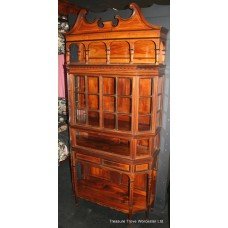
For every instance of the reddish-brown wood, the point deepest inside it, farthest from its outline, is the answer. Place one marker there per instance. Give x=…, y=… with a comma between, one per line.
x=141, y=167
x=112, y=195
x=115, y=99
x=88, y=158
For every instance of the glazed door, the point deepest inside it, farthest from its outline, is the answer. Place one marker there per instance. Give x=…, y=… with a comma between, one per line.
x=104, y=102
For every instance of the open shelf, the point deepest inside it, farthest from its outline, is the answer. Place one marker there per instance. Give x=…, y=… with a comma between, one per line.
x=111, y=145
x=111, y=195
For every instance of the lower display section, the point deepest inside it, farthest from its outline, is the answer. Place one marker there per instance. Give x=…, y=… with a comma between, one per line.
x=111, y=195
x=119, y=185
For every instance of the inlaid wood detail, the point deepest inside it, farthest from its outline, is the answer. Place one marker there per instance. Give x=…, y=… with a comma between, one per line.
x=89, y=158
x=141, y=167
x=116, y=165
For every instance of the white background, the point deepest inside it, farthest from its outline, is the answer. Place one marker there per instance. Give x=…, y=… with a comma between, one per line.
x=28, y=90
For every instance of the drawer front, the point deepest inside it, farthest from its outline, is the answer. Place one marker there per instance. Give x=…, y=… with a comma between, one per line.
x=89, y=158
x=141, y=167
x=116, y=165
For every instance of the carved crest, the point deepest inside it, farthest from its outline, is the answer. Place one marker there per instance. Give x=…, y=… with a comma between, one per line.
x=136, y=22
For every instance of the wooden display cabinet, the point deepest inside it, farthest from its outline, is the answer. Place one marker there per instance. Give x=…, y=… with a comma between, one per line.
x=115, y=86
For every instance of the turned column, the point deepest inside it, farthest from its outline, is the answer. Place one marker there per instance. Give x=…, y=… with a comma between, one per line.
x=108, y=53
x=132, y=51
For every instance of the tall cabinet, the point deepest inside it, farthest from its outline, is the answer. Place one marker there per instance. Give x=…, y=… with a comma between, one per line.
x=115, y=86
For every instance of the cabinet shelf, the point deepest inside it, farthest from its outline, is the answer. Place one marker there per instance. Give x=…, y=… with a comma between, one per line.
x=111, y=145
x=111, y=195
x=110, y=123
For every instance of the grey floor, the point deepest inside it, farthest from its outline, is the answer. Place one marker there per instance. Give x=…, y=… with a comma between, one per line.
x=88, y=214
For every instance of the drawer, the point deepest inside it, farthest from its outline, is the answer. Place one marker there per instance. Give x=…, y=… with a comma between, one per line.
x=88, y=158
x=116, y=165
x=141, y=167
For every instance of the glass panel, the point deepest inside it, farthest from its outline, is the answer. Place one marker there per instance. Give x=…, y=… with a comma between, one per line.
x=93, y=118
x=109, y=103
x=145, y=106
x=144, y=123
x=112, y=145
x=80, y=84
x=108, y=85
x=109, y=120
x=93, y=101
x=124, y=104
x=124, y=122
x=142, y=147
x=93, y=85
x=81, y=116
x=124, y=86
x=80, y=101
x=145, y=87
x=73, y=52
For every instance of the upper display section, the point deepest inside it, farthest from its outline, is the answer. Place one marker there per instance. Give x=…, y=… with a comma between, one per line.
x=130, y=41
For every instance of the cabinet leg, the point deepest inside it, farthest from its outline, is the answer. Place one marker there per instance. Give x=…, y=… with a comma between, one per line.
x=74, y=176
x=129, y=216
x=147, y=213
x=72, y=171
x=76, y=202
x=76, y=183
x=131, y=194
x=149, y=187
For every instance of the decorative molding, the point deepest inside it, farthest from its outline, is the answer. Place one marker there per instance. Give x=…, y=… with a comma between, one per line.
x=123, y=70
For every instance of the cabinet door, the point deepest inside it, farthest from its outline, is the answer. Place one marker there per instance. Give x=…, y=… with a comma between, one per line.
x=87, y=99
x=145, y=104
x=114, y=100
x=117, y=103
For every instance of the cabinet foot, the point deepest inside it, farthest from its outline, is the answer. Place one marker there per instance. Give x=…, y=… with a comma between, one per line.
x=129, y=216
x=76, y=202
x=147, y=212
